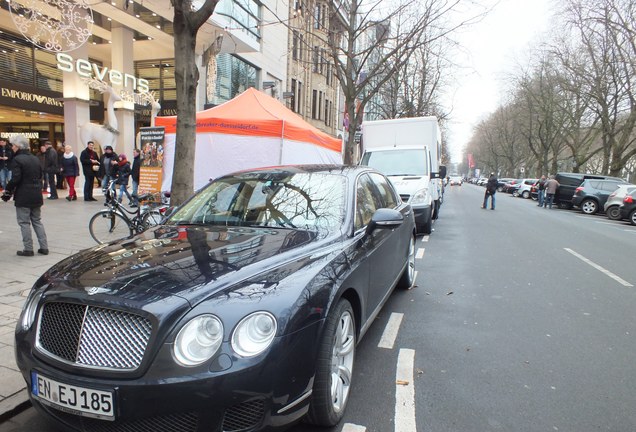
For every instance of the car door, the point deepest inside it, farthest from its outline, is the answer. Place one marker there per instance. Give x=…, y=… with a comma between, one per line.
x=378, y=246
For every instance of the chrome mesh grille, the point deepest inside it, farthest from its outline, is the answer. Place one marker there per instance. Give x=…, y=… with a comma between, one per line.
x=93, y=336
x=244, y=416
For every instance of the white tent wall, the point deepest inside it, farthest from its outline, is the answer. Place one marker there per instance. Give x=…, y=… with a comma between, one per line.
x=220, y=154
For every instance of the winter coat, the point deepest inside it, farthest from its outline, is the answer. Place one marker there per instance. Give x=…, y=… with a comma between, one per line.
x=50, y=161
x=70, y=167
x=551, y=186
x=491, y=186
x=6, y=151
x=85, y=158
x=102, y=164
x=135, y=169
x=26, y=180
x=122, y=173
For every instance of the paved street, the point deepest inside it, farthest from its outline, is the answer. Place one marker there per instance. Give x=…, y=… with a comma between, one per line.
x=66, y=225
x=522, y=320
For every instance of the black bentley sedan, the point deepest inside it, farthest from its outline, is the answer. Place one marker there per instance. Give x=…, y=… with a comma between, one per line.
x=240, y=313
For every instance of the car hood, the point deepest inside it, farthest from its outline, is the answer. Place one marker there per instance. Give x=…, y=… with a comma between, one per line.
x=190, y=262
x=409, y=184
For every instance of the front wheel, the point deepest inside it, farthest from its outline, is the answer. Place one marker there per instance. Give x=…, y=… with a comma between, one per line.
x=152, y=218
x=613, y=212
x=106, y=226
x=525, y=194
x=334, y=367
x=632, y=217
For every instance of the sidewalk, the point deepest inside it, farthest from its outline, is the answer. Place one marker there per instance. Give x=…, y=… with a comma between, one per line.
x=66, y=225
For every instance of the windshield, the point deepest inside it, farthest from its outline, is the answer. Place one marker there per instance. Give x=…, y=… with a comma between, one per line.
x=307, y=201
x=398, y=162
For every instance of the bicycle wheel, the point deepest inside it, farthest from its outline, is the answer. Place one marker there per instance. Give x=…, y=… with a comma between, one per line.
x=152, y=218
x=106, y=226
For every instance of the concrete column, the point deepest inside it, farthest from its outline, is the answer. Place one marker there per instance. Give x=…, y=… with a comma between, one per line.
x=76, y=103
x=122, y=60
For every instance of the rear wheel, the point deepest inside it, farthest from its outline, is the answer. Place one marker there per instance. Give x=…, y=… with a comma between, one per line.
x=632, y=217
x=106, y=226
x=613, y=212
x=152, y=218
x=334, y=367
x=525, y=194
x=408, y=276
x=589, y=206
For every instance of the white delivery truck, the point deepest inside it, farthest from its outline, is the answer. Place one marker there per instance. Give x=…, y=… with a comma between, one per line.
x=408, y=151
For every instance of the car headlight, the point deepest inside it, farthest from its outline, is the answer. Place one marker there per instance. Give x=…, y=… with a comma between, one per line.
x=254, y=334
x=419, y=197
x=30, y=308
x=198, y=340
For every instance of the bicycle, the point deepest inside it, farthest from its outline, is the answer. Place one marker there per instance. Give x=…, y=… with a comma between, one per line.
x=117, y=221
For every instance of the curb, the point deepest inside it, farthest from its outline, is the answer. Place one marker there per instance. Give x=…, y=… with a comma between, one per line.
x=14, y=405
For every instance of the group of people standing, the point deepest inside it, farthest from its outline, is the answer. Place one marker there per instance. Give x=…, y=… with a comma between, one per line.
x=546, y=189
x=22, y=176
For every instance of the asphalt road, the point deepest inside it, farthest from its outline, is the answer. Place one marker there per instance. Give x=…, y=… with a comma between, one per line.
x=522, y=320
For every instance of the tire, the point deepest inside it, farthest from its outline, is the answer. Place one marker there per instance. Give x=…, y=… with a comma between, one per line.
x=632, y=217
x=589, y=206
x=564, y=205
x=408, y=276
x=152, y=218
x=427, y=228
x=525, y=194
x=106, y=226
x=613, y=213
x=334, y=367
x=515, y=194
x=500, y=189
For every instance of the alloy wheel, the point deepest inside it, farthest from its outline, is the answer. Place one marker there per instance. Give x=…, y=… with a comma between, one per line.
x=342, y=361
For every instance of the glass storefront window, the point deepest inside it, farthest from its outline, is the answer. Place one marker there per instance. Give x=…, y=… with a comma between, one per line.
x=243, y=14
x=233, y=77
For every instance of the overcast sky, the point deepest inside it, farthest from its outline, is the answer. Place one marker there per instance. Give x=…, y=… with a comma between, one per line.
x=492, y=48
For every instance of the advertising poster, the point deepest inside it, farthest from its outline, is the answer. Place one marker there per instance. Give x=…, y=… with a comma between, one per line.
x=151, y=141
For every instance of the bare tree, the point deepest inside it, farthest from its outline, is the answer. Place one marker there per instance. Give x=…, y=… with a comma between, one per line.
x=364, y=66
x=187, y=22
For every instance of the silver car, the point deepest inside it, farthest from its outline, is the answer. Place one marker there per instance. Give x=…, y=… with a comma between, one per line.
x=616, y=199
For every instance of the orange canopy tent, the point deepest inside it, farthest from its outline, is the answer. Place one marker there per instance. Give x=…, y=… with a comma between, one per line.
x=252, y=130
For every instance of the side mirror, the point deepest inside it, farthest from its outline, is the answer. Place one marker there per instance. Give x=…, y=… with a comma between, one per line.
x=442, y=171
x=385, y=218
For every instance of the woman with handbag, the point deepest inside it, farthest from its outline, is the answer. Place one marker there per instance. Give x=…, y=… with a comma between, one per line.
x=90, y=166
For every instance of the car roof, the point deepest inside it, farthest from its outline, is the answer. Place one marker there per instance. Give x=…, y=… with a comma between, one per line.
x=347, y=170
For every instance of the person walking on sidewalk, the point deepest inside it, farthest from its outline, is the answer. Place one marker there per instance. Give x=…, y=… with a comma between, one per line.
x=70, y=170
x=541, y=191
x=491, y=190
x=551, y=187
x=121, y=172
x=24, y=186
x=45, y=179
x=134, y=175
x=6, y=156
x=51, y=168
x=90, y=166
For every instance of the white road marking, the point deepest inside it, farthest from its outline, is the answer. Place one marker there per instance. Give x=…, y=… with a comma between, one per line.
x=391, y=331
x=599, y=268
x=425, y=239
x=350, y=427
x=420, y=253
x=405, y=392
x=414, y=278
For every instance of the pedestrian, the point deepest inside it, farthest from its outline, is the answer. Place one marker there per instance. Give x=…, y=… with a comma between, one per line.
x=70, y=170
x=6, y=156
x=45, y=178
x=60, y=177
x=24, y=186
x=134, y=175
x=541, y=191
x=122, y=173
x=90, y=167
x=106, y=164
x=491, y=190
x=51, y=168
x=551, y=187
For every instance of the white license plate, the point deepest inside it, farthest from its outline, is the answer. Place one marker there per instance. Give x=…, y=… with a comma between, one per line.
x=73, y=399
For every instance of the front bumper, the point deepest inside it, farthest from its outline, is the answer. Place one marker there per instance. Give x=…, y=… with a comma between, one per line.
x=258, y=394
x=422, y=214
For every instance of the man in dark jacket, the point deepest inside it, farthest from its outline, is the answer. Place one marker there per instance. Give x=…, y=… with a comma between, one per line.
x=51, y=169
x=106, y=164
x=90, y=166
x=491, y=190
x=6, y=155
x=25, y=186
x=134, y=174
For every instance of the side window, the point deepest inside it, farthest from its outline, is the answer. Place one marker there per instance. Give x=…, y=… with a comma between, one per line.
x=366, y=203
x=386, y=191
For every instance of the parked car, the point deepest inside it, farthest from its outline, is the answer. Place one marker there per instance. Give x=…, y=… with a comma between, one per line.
x=241, y=312
x=568, y=182
x=628, y=208
x=524, y=188
x=501, y=182
x=613, y=203
x=511, y=186
x=456, y=180
x=592, y=194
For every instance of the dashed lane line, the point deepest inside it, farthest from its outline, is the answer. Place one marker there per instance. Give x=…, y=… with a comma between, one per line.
x=420, y=253
x=391, y=331
x=425, y=239
x=405, y=392
x=599, y=268
x=350, y=427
